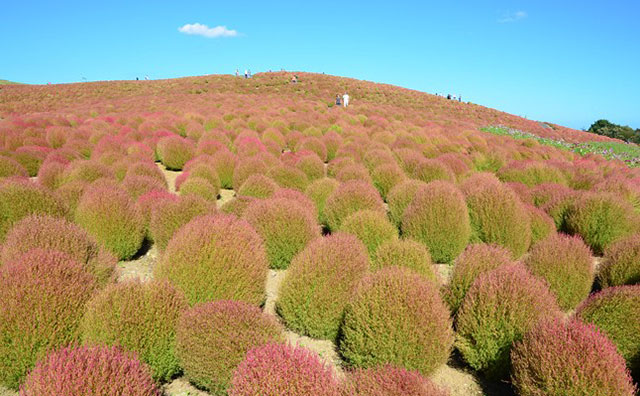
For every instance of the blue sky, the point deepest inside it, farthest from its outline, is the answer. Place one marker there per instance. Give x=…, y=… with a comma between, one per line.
x=558, y=61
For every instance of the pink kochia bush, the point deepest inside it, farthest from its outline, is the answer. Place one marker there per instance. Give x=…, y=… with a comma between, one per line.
x=396, y=316
x=285, y=226
x=283, y=370
x=499, y=308
x=348, y=198
x=319, y=282
x=174, y=151
x=556, y=358
x=621, y=263
x=565, y=263
x=216, y=257
x=140, y=317
x=213, y=338
x=113, y=219
x=51, y=233
x=90, y=371
x=438, y=218
x=43, y=297
x=387, y=380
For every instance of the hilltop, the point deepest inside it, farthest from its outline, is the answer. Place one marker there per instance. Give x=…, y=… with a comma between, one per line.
x=7, y=82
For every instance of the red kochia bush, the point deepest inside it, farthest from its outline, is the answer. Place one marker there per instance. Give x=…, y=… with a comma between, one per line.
x=556, y=358
x=90, y=371
x=213, y=338
x=565, y=263
x=499, y=308
x=113, y=219
x=621, y=263
x=227, y=255
x=388, y=380
x=283, y=370
x=174, y=151
x=396, y=316
x=438, y=218
x=43, y=297
x=51, y=233
x=349, y=198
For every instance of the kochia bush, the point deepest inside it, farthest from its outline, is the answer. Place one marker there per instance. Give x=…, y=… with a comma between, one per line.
x=226, y=253
x=404, y=253
x=43, y=297
x=573, y=359
x=174, y=151
x=90, y=370
x=371, y=227
x=141, y=317
x=498, y=309
x=319, y=191
x=388, y=380
x=11, y=167
x=258, y=186
x=289, y=177
x=397, y=317
x=283, y=370
x=565, y=263
x=319, y=282
x=199, y=187
x=400, y=196
x=438, y=218
x=542, y=225
x=348, y=198
x=169, y=215
x=213, y=338
x=621, y=263
x=387, y=176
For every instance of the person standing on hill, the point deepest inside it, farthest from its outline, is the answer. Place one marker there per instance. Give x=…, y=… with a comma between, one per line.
x=338, y=103
x=345, y=99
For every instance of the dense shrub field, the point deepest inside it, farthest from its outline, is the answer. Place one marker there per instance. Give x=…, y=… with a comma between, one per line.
x=258, y=217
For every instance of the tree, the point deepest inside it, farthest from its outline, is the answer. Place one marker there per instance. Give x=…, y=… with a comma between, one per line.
x=606, y=128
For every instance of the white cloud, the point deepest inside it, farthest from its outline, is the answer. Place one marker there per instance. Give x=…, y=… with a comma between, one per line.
x=204, y=30
x=513, y=17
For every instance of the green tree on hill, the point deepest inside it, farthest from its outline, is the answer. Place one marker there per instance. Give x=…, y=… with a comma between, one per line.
x=606, y=128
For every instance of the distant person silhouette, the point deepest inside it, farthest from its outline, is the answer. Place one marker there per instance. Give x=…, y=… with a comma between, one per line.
x=345, y=99
x=449, y=96
x=137, y=79
x=237, y=73
x=146, y=78
x=459, y=98
x=338, y=103
x=246, y=74
x=249, y=73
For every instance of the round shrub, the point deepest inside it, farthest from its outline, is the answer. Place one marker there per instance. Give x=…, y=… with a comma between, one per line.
x=21, y=198
x=498, y=216
x=387, y=176
x=31, y=157
x=213, y=339
x=376, y=157
x=556, y=358
x=621, y=263
x=147, y=203
x=216, y=257
x=146, y=168
x=200, y=170
x=476, y=259
x=51, y=233
x=87, y=171
x=319, y=283
x=137, y=185
x=396, y=316
x=600, y=219
x=90, y=371
x=199, y=187
x=50, y=175
x=616, y=312
x=404, y=253
x=174, y=151
x=431, y=169
x=334, y=166
x=354, y=172
x=348, y=198
x=542, y=225
x=319, y=191
x=312, y=166
x=224, y=162
x=283, y=370
x=258, y=186
x=237, y=206
x=498, y=309
x=565, y=263
x=388, y=380
x=43, y=297
x=285, y=226
x=531, y=173
x=140, y=317
x=400, y=196
x=113, y=219
x=289, y=177
x=11, y=167
x=169, y=215
x=438, y=218
x=371, y=227
x=314, y=145
x=247, y=167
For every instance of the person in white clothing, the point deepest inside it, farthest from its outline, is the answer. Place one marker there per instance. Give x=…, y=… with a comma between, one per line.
x=345, y=99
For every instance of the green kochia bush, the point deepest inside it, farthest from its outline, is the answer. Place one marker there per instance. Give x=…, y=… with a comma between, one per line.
x=397, y=317
x=113, y=219
x=51, y=233
x=90, y=370
x=621, y=263
x=168, y=216
x=11, y=167
x=283, y=370
x=400, y=196
x=600, y=219
x=474, y=261
x=289, y=177
x=43, y=297
x=319, y=282
x=258, y=186
x=572, y=359
x=499, y=308
x=616, y=311
x=565, y=263
x=285, y=226
x=371, y=227
x=404, y=253
x=213, y=338
x=174, y=151
x=216, y=257
x=141, y=317
x=388, y=380
x=387, y=176
x=348, y=198
x=200, y=187
x=438, y=218
x=319, y=191
x=542, y=225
